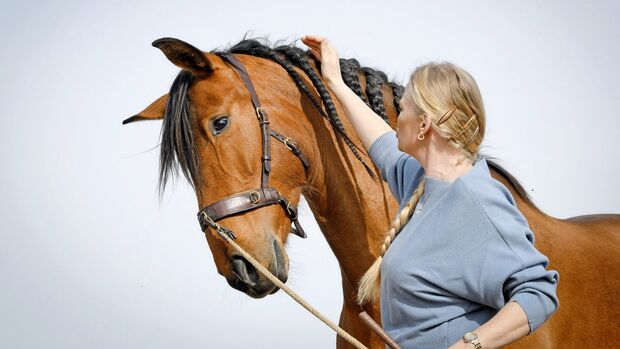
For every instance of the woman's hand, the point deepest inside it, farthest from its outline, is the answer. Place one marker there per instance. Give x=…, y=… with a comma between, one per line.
x=367, y=124
x=326, y=53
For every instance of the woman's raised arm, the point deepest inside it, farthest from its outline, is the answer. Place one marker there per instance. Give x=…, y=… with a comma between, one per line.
x=367, y=124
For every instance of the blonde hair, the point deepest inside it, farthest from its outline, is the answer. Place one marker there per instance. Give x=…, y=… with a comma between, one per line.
x=450, y=97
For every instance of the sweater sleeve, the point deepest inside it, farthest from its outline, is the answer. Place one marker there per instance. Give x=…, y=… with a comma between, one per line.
x=533, y=287
x=508, y=267
x=397, y=168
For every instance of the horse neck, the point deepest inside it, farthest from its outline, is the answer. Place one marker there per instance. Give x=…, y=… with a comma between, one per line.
x=351, y=208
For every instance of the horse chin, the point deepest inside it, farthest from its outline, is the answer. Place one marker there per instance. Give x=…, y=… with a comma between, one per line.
x=256, y=295
x=256, y=290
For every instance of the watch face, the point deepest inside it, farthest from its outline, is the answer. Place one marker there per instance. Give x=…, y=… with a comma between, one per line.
x=469, y=336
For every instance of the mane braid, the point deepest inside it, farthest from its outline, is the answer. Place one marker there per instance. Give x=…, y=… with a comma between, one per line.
x=177, y=143
x=397, y=91
x=374, y=81
x=298, y=58
x=293, y=54
x=255, y=48
x=349, y=69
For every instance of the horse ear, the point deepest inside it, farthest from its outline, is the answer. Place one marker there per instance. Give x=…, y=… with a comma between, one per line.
x=184, y=55
x=155, y=111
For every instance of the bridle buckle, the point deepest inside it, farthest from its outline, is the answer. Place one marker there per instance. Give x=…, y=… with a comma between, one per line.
x=259, y=113
x=254, y=197
x=210, y=221
x=290, y=211
x=290, y=144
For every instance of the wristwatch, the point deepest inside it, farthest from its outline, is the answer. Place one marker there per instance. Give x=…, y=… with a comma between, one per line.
x=472, y=338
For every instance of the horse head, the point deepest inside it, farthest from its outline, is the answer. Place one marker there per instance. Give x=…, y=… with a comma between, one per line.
x=213, y=132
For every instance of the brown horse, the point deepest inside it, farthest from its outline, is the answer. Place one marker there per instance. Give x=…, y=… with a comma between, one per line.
x=211, y=132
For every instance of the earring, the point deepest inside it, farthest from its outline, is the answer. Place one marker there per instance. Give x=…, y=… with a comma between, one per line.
x=421, y=138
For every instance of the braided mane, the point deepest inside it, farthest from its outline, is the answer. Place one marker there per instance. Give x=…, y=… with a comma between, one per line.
x=289, y=56
x=178, y=147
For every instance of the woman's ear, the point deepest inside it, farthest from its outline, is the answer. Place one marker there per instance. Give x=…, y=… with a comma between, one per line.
x=425, y=120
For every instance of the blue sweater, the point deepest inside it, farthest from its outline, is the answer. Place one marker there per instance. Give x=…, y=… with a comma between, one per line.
x=461, y=259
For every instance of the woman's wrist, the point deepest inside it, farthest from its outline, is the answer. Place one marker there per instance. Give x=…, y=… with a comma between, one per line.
x=335, y=83
x=462, y=345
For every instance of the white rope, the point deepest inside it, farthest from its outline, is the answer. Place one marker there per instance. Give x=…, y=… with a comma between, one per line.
x=342, y=333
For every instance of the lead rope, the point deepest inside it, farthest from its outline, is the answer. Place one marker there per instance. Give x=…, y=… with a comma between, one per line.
x=342, y=333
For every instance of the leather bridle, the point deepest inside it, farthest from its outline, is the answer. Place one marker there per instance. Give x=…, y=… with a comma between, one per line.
x=265, y=195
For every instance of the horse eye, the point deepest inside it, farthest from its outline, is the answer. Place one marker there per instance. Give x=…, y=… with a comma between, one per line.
x=219, y=124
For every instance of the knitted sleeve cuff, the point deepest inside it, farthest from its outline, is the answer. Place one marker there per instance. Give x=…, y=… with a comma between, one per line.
x=537, y=306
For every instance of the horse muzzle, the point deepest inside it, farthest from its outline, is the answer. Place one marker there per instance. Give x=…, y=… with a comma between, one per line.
x=245, y=278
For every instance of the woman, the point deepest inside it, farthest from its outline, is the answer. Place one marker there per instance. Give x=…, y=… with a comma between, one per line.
x=463, y=272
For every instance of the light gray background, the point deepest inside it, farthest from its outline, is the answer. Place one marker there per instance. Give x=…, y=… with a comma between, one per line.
x=90, y=259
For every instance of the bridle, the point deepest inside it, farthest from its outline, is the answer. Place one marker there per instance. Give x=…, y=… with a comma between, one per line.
x=265, y=195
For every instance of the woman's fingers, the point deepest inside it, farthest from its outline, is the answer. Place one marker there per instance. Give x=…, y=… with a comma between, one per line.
x=316, y=54
x=321, y=48
x=314, y=44
x=312, y=41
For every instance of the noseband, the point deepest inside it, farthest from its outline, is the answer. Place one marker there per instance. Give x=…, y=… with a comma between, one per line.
x=265, y=195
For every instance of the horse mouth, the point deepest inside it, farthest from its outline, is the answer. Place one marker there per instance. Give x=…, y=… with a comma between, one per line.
x=247, y=279
x=254, y=290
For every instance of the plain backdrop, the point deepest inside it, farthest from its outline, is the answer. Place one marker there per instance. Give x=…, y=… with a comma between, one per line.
x=89, y=258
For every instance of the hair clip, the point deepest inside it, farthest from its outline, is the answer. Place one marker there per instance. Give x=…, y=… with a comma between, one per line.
x=450, y=111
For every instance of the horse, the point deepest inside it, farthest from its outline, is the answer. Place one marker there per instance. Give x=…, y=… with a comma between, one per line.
x=210, y=132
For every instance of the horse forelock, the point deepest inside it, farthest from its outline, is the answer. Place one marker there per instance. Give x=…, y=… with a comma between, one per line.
x=178, y=147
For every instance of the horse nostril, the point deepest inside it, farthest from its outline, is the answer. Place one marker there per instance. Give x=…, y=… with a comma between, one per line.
x=280, y=271
x=244, y=270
